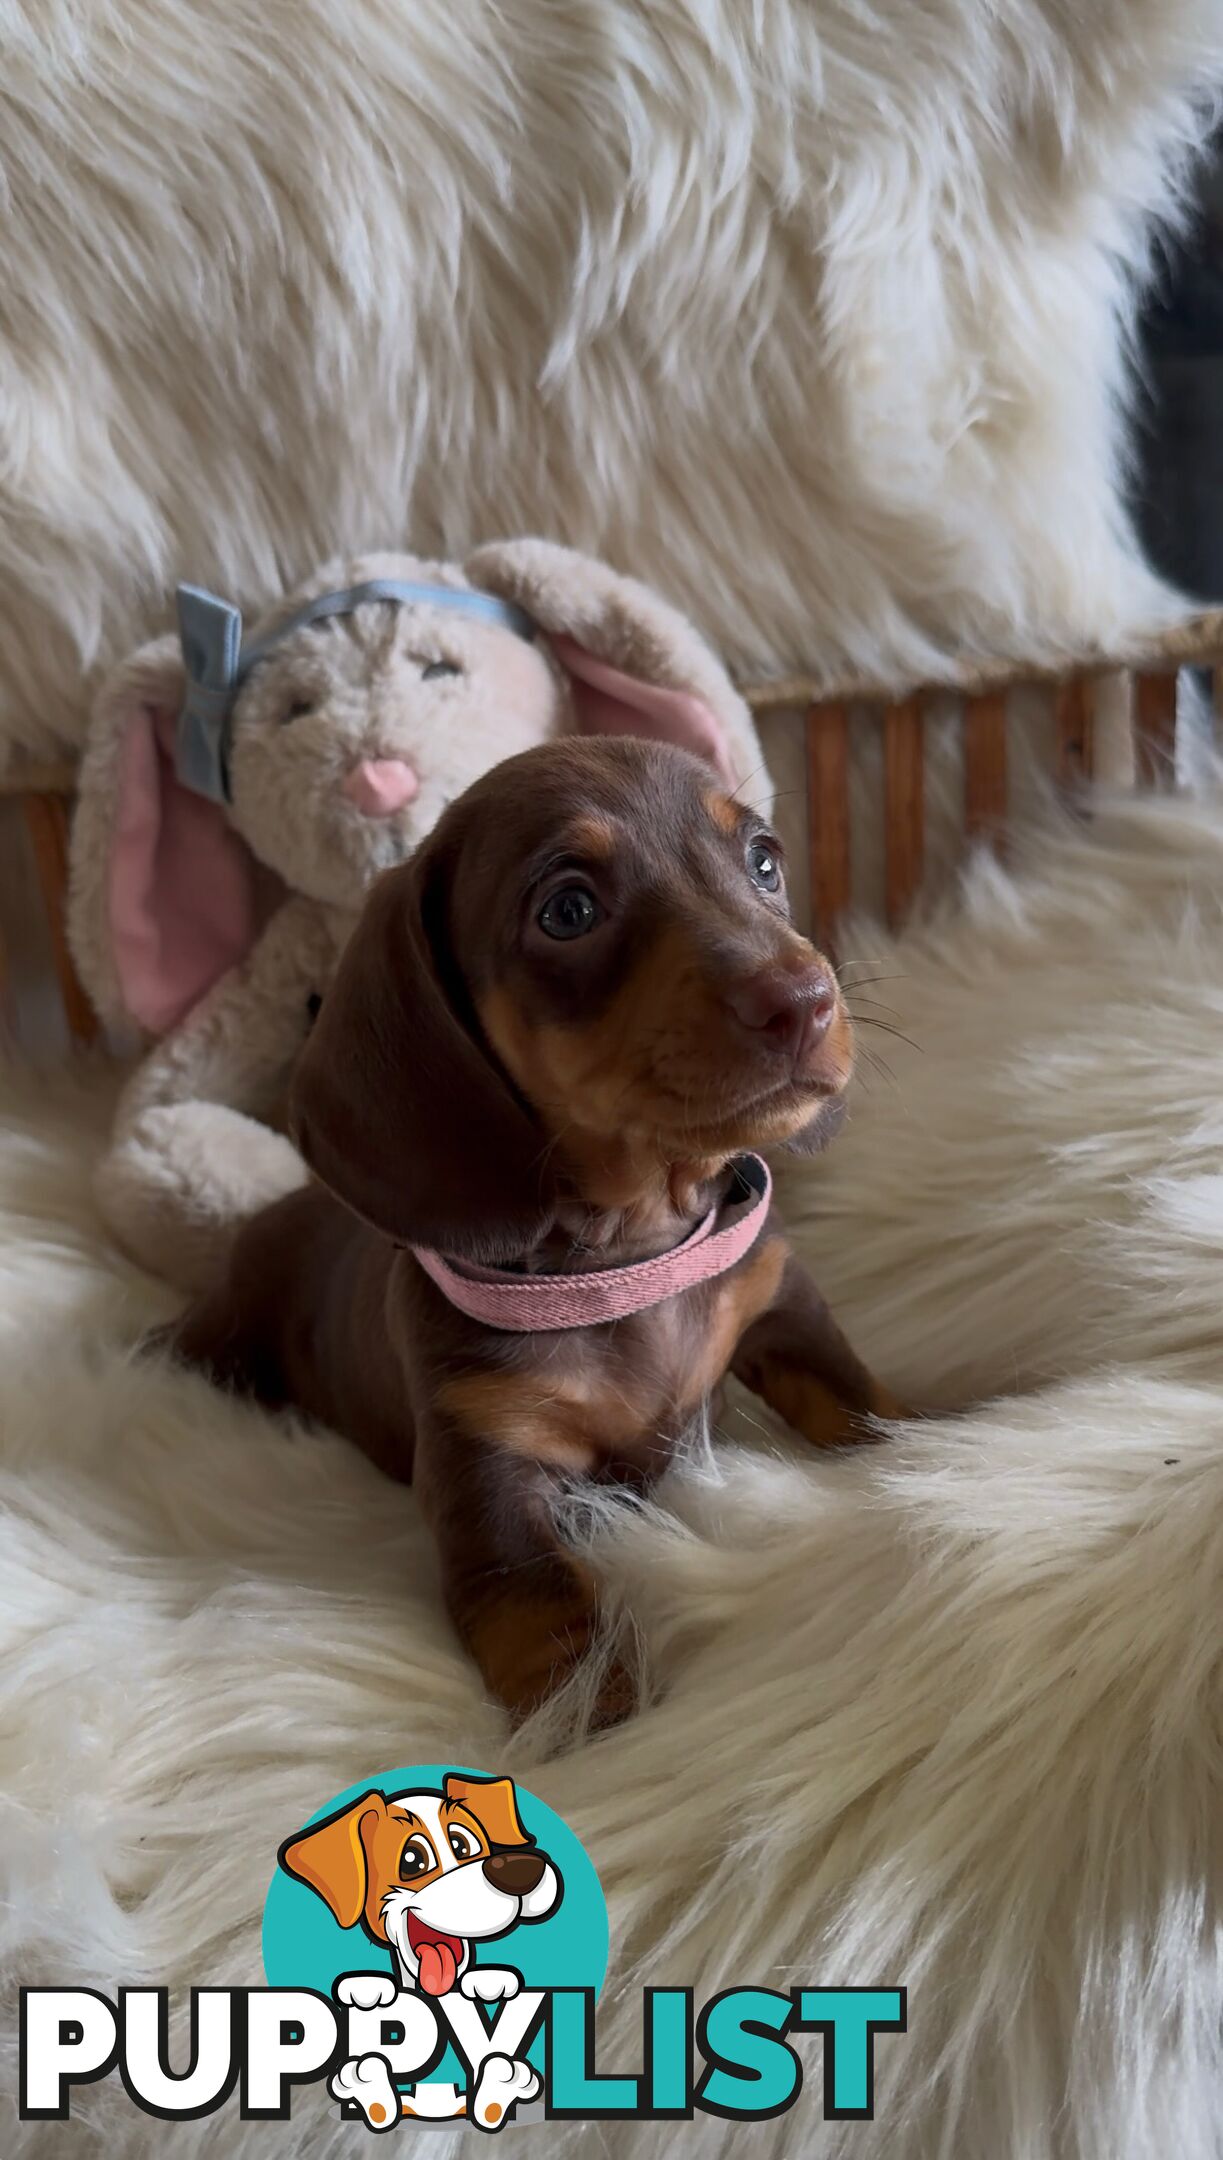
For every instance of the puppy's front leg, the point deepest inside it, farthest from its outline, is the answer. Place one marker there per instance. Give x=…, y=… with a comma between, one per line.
x=797, y=1359
x=526, y=1609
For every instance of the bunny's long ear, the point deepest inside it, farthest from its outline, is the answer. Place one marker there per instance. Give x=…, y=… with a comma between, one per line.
x=636, y=665
x=397, y=1104
x=162, y=890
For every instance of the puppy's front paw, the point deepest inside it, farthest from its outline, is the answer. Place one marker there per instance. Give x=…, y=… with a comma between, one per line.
x=366, y=2082
x=503, y=2082
x=366, y=1991
x=489, y=1983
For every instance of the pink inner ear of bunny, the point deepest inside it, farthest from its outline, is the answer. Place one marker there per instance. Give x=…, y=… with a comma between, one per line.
x=180, y=886
x=609, y=702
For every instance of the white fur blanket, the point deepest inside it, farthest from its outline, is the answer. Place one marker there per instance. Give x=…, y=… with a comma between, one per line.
x=946, y=1712
x=806, y=311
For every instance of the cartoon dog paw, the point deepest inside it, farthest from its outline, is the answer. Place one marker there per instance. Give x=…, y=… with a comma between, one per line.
x=366, y=1991
x=489, y=1983
x=502, y=2084
x=367, y=2082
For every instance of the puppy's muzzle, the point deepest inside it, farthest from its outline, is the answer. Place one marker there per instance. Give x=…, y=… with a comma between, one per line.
x=517, y=1873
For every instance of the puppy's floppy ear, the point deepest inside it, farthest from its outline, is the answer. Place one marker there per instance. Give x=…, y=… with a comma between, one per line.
x=494, y=1803
x=331, y=1859
x=397, y=1104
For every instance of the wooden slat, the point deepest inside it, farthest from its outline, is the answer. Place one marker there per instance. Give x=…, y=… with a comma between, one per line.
x=1196, y=642
x=985, y=765
x=1075, y=718
x=828, y=819
x=46, y=819
x=1154, y=729
x=19, y=780
x=904, y=806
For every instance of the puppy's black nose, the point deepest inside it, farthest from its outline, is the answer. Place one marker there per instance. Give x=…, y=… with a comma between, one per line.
x=789, y=1010
x=514, y=1872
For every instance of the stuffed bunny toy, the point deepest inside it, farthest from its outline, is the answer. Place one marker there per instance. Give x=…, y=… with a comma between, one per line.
x=238, y=798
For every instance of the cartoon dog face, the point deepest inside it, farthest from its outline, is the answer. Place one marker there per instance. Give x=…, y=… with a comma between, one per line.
x=429, y=1873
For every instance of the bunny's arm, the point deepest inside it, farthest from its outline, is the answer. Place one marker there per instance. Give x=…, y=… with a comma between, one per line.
x=191, y=1157
x=237, y=1046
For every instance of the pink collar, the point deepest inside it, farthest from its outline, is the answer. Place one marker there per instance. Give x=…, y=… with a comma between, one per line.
x=532, y=1304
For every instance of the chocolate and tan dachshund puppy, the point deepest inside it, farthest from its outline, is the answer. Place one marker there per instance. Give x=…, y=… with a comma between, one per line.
x=553, y=1034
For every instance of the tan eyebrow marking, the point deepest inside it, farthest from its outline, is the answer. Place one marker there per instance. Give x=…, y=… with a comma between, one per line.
x=725, y=813
x=590, y=835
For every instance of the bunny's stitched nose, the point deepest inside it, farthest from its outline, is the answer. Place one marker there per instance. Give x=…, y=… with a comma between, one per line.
x=378, y=787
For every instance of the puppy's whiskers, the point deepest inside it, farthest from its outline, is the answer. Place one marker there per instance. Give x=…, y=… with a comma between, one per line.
x=879, y=1065
x=864, y=980
x=878, y=1003
x=886, y=1028
x=755, y=771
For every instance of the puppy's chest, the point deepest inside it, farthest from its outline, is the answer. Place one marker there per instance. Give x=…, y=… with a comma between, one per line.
x=614, y=1400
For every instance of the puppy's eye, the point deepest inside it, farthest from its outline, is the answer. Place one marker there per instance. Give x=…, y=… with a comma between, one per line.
x=462, y=1843
x=435, y=669
x=297, y=707
x=763, y=866
x=415, y=1859
x=570, y=912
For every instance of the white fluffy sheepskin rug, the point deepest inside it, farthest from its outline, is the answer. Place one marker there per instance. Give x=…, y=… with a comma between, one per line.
x=947, y=1712
x=806, y=311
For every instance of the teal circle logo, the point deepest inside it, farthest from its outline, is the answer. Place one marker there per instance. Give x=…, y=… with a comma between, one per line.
x=442, y=1883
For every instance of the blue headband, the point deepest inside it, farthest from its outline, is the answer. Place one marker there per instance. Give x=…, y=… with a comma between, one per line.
x=218, y=664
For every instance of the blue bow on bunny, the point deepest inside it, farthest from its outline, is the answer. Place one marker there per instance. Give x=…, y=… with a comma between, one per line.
x=217, y=663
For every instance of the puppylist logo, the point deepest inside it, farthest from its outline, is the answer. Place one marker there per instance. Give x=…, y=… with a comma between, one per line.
x=434, y=1943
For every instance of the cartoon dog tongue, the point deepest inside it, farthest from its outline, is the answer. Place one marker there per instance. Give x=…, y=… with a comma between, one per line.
x=438, y=1966
x=437, y=1957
